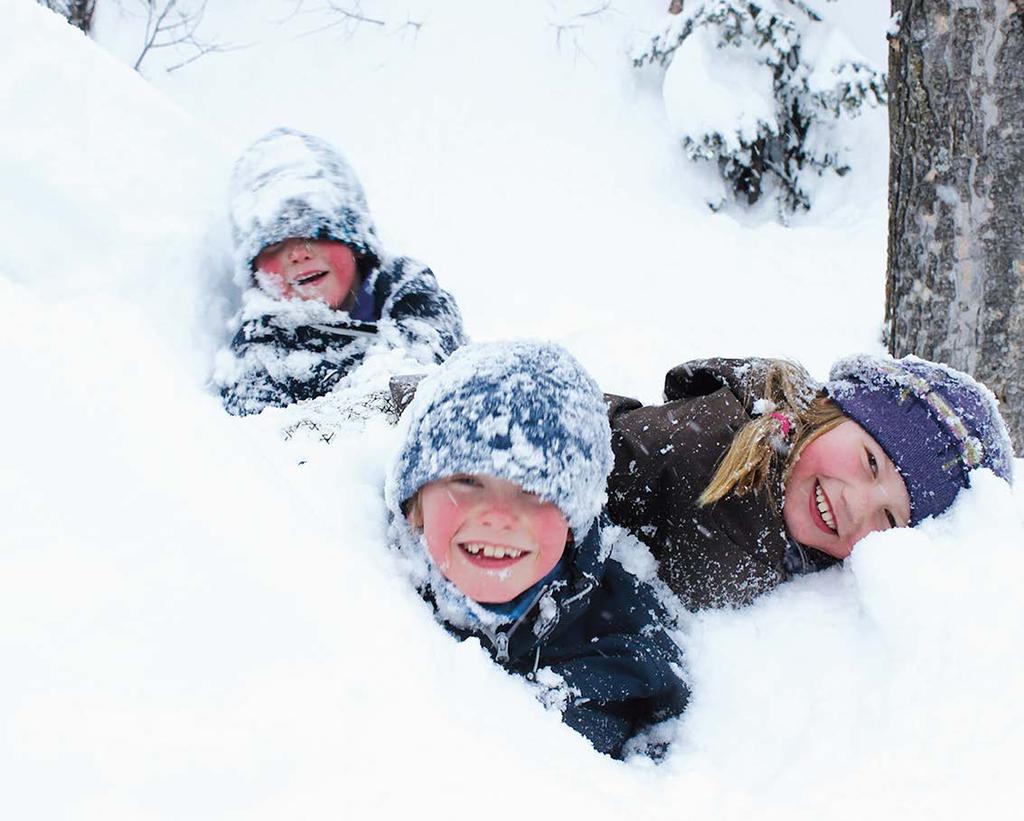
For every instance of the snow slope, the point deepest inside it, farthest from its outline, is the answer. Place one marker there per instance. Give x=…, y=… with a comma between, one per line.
x=194, y=626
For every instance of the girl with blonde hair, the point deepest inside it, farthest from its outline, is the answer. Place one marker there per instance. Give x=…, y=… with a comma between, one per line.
x=751, y=473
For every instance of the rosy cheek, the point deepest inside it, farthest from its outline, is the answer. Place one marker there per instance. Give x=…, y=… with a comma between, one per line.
x=441, y=519
x=552, y=531
x=270, y=263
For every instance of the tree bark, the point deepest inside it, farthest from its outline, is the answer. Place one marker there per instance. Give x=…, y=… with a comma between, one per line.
x=955, y=280
x=80, y=13
x=77, y=12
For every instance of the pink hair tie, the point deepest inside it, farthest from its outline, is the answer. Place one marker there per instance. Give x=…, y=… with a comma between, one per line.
x=784, y=422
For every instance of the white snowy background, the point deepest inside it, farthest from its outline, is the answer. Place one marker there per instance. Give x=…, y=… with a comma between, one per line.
x=192, y=626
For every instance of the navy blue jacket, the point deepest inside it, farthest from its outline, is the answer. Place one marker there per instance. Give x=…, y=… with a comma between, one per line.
x=407, y=309
x=603, y=631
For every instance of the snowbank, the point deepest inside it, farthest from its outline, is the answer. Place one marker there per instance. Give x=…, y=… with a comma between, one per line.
x=195, y=626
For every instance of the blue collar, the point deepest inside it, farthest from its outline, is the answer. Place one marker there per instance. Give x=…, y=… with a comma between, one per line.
x=512, y=610
x=364, y=309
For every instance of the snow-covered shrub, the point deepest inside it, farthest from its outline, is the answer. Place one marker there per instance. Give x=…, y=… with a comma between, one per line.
x=761, y=88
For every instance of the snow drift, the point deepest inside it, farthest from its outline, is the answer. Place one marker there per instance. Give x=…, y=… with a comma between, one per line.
x=196, y=626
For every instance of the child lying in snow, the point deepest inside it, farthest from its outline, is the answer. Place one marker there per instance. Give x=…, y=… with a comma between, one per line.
x=750, y=473
x=318, y=289
x=495, y=499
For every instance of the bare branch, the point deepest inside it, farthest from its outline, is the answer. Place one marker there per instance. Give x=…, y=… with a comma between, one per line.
x=209, y=48
x=345, y=16
x=596, y=12
x=170, y=26
x=573, y=26
x=416, y=26
x=353, y=14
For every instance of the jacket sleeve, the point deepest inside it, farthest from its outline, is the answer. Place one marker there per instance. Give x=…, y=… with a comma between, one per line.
x=663, y=459
x=424, y=314
x=621, y=689
x=665, y=456
x=624, y=681
x=261, y=372
x=250, y=388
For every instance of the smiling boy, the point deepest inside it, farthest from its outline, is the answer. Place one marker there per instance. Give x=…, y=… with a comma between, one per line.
x=496, y=500
x=488, y=536
x=309, y=269
x=319, y=292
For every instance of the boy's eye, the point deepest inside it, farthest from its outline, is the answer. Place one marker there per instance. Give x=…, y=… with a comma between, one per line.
x=891, y=518
x=465, y=481
x=268, y=252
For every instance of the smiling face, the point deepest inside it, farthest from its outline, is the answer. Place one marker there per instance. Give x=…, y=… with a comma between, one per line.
x=842, y=487
x=308, y=269
x=488, y=536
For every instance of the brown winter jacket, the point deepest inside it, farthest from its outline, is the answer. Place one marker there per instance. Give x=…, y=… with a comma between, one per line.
x=665, y=455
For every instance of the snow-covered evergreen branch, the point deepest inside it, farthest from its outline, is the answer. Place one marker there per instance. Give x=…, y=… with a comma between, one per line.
x=788, y=81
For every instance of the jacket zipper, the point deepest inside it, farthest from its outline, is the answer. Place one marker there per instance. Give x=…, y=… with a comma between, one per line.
x=500, y=638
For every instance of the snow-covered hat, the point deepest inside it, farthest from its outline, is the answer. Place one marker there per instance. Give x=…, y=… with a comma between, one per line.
x=290, y=184
x=936, y=424
x=525, y=412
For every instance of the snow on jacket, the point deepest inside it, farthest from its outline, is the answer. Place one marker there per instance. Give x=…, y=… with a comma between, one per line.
x=290, y=184
x=727, y=553
x=590, y=635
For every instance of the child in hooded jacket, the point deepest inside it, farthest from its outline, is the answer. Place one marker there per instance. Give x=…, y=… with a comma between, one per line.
x=496, y=501
x=751, y=473
x=319, y=290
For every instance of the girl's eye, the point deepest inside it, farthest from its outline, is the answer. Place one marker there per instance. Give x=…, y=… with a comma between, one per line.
x=891, y=518
x=872, y=463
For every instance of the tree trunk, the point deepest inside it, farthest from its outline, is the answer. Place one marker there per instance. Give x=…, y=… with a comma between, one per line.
x=955, y=280
x=80, y=13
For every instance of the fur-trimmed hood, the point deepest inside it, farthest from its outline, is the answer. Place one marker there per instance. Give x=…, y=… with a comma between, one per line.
x=291, y=184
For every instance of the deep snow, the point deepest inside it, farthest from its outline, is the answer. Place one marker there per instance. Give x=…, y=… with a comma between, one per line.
x=194, y=626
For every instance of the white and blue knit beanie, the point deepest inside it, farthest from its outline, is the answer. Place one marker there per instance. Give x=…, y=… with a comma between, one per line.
x=526, y=412
x=936, y=424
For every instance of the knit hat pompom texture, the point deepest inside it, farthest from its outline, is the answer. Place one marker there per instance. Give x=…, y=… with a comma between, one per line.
x=935, y=423
x=525, y=412
x=290, y=184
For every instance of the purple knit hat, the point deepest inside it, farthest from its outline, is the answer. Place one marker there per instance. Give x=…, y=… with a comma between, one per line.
x=936, y=424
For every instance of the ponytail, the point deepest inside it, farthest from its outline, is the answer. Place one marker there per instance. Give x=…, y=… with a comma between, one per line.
x=790, y=416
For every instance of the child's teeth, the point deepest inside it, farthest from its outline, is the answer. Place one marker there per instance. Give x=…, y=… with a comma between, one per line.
x=826, y=514
x=492, y=551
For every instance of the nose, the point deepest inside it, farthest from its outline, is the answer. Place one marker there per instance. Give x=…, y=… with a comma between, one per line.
x=865, y=506
x=499, y=515
x=299, y=251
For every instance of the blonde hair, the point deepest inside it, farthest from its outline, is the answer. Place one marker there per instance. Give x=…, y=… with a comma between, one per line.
x=760, y=449
x=412, y=509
